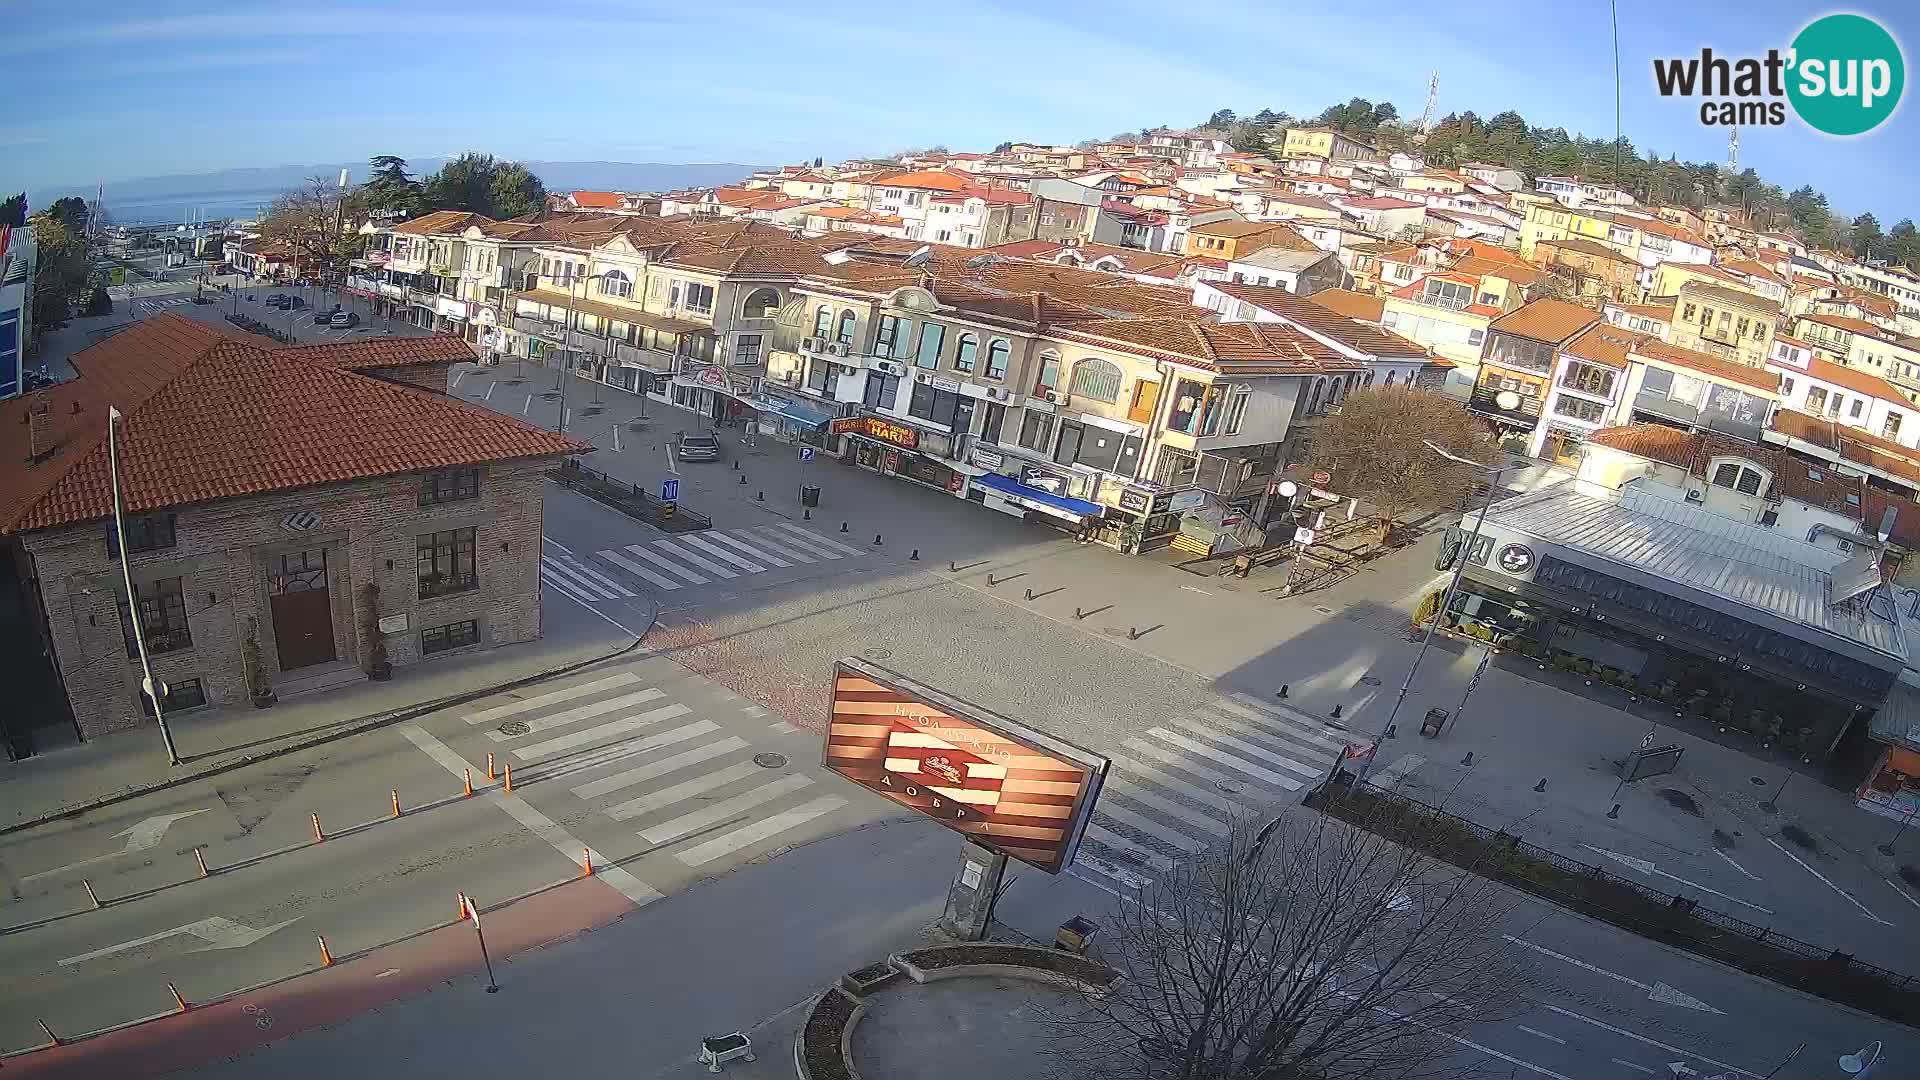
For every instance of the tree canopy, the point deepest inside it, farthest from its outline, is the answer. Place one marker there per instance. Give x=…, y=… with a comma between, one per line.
x=390, y=192
x=1376, y=449
x=481, y=184
x=13, y=211
x=62, y=274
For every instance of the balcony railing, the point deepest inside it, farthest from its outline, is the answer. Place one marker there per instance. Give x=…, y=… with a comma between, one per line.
x=653, y=359
x=1485, y=401
x=533, y=325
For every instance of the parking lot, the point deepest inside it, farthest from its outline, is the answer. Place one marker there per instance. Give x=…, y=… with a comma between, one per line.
x=251, y=300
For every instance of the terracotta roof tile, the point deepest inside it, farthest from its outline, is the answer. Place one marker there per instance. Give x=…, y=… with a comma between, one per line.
x=1303, y=312
x=1605, y=343
x=1860, y=382
x=1247, y=348
x=1708, y=364
x=1366, y=307
x=1552, y=321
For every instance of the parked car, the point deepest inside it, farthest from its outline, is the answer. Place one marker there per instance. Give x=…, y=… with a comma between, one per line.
x=294, y=303
x=276, y=300
x=696, y=446
x=321, y=318
x=340, y=320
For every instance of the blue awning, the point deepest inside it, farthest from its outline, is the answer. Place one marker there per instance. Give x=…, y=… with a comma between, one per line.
x=799, y=412
x=1033, y=498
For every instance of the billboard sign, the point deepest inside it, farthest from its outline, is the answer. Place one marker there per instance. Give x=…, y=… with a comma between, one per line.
x=1008, y=787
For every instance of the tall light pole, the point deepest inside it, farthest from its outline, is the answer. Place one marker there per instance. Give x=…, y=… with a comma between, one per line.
x=1446, y=598
x=570, y=350
x=147, y=685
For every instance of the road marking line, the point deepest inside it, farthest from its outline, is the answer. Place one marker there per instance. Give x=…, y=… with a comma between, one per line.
x=724, y=809
x=729, y=842
x=620, y=752
x=798, y=543
x=1903, y=893
x=581, y=738
x=790, y=549
x=1577, y=962
x=571, y=592
x=581, y=571
x=1716, y=1063
x=1828, y=884
x=583, y=712
x=667, y=449
x=1316, y=734
x=781, y=727
x=719, y=552
x=1185, y=764
x=1646, y=866
x=535, y=822
x=1173, y=783
x=488, y=396
x=1658, y=991
x=580, y=582
x=682, y=760
x=1151, y=827
x=1138, y=793
x=1267, y=776
x=1396, y=772
x=616, y=438
x=730, y=541
x=637, y=570
x=563, y=548
x=1541, y=1034
x=1735, y=865
x=541, y=701
x=1631, y=1065
x=754, y=710
x=664, y=564
x=667, y=796
x=141, y=836
x=696, y=559
x=1202, y=592
x=1120, y=843
x=528, y=405
x=1246, y=747
x=815, y=538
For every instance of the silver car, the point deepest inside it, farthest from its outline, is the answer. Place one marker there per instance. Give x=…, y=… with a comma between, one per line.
x=696, y=446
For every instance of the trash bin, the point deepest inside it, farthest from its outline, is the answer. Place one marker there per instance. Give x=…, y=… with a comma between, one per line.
x=1075, y=935
x=810, y=495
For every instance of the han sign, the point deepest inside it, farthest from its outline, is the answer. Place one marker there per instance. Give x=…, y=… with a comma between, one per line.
x=1008, y=787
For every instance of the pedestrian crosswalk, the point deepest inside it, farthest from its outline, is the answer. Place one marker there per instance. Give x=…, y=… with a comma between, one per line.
x=148, y=306
x=640, y=759
x=1175, y=788
x=689, y=559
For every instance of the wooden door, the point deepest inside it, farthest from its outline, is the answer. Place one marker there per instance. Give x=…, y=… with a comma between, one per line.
x=303, y=628
x=1146, y=395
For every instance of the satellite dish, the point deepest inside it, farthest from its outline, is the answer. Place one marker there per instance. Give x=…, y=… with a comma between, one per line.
x=1289, y=489
x=921, y=256
x=1507, y=400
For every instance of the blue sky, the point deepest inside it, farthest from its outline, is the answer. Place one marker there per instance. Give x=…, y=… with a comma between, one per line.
x=122, y=88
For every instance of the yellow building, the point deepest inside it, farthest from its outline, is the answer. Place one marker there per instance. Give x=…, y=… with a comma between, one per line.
x=1325, y=144
x=1727, y=323
x=1544, y=221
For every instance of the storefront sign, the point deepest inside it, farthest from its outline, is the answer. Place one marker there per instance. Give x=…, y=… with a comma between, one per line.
x=1190, y=499
x=1135, y=502
x=712, y=376
x=1322, y=479
x=1051, y=483
x=874, y=427
x=988, y=459
x=452, y=309
x=1515, y=559
x=945, y=384
x=1039, y=404
x=484, y=316
x=394, y=624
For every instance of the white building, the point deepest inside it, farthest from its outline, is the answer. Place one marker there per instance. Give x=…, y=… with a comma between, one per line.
x=1844, y=395
x=18, y=259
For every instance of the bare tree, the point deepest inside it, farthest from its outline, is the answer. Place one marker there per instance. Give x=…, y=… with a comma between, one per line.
x=1375, y=447
x=311, y=220
x=1307, y=948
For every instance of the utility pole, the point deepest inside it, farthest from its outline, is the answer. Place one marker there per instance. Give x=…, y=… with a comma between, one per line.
x=152, y=689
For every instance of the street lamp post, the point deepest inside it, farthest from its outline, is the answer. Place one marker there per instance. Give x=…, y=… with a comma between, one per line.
x=148, y=686
x=1446, y=598
x=571, y=352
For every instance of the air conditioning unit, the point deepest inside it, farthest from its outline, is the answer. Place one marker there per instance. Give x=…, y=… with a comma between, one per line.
x=809, y=344
x=1054, y=397
x=890, y=367
x=837, y=348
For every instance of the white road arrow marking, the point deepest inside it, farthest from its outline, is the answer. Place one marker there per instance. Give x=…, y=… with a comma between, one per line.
x=1646, y=866
x=217, y=932
x=140, y=837
x=1656, y=991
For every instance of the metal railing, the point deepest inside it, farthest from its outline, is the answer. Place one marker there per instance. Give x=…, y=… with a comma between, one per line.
x=630, y=499
x=1676, y=920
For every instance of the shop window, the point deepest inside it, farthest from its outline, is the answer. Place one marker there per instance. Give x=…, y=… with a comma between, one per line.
x=1590, y=412
x=446, y=563
x=882, y=391
x=181, y=694
x=438, y=639
x=996, y=416
x=1036, y=431
x=933, y=405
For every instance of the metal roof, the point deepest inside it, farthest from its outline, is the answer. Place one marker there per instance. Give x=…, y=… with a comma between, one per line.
x=1741, y=570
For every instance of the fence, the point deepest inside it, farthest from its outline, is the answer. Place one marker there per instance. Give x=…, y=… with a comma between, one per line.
x=1675, y=920
x=630, y=499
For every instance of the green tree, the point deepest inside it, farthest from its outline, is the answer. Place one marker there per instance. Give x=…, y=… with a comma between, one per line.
x=72, y=212
x=480, y=184
x=1867, y=238
x=516, y=192
x=14, y=210
x=1220, y=120
x=62, y=272
x=1903, y=245
x=390, y=193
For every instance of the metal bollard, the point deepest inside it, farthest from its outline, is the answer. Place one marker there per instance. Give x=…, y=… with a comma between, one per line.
x=743, y=477
x=1468, y=760
x=201, y=858
x=396, y=802
x=326, y=958
x=759, y=496
x=88, y=885
x=1283, y=690
x=843, y=526
x=318, y=836
x=1542, y=785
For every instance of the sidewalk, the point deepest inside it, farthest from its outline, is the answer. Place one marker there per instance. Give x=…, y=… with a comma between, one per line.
x=130, y=763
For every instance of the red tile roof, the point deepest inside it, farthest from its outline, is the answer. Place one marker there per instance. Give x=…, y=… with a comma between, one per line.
x=211, y=415
x=1854, y=379
x=596, y=200
x=1551, y=321
x=1303, y=312
x=1366, y=307
x=1708, y=364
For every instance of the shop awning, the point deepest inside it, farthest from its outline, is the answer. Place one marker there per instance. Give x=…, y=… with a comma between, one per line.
x=799, y=412
x=1033, y=498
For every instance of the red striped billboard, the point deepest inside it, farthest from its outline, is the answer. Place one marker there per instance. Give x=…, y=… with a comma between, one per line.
x=1009, y=787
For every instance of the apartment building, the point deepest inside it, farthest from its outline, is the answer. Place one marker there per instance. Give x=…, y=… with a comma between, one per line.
x=1730, y=323
x=18, y=260
x=1326, y=145
x=1868, y=347
x=1522, y=351
x=1851, y=396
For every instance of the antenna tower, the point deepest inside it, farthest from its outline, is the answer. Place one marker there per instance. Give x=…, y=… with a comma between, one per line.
x=1433, y=102
x=1733, y=150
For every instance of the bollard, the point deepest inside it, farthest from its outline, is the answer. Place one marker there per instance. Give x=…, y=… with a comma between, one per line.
x=736, y=466
x=490, y=773
x=51, y=1037
x=396, y=802
x=1029, y=594
x=318, y=836
x=509, y=778
x=991, y=582
x=843, y=526
x=952, y=567
x=326, y=958
x=1283, y=690
x=1614, y=814
x=1542, y=785
x=201, y=858
x=1468, y=760
x=1078, y=614
x=743, y=477
x=586, y=862
x=177, y=999
x=467, y=781
x=759, y=496
x=90, y=895
x=463, y=906
x=876, y=539
x=806, y=515
x=1336, y=712
x=1393, y=731
x=915, y=557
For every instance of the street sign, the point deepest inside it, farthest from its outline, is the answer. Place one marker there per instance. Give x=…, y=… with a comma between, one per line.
x=1646, y=740
x=669, y=490
x=1303, y=536
x=1320, y=479
x=806, y=453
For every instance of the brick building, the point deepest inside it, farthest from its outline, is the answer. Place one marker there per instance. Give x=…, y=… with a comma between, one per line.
x=266, y=490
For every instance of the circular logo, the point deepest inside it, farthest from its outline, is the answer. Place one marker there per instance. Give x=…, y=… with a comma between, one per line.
x=1515, y=558
x=1847, y=74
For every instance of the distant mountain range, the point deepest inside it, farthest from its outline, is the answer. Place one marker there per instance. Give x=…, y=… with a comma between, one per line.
x=241, y=192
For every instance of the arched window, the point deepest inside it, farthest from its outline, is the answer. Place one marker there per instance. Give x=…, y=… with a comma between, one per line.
x=964, y=352
x=615, y=283
x=1313, y=403
x=1095, y=378
x=1369, y=379
x=822, y=321
x=997, y=359
x=1389, y=378
x=845, y=336
x=761, y=304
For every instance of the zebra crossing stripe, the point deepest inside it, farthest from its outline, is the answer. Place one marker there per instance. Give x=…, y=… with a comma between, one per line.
x=723, y=538
x=1174, y=783
x=772, y=542
x=573, y=765
x=1245, y=747
x=816, y=540
x=637, y=570
x=621, y=726
x=724, y=809
x=598, y=578
x=1313, y=728
x=729, y=842
x=669, y=567
x=1139, y=793
x=1286, y=736
x=665, y=765
x=719, y=552
x=583, y=712
x=572, y=591
x=1145, y=824
x=799, y=542
x=1267, y=776
x=1181, y=762
x=667, y=796
x=695, y=558
x=577, y=583
x=554, y=697
x=1117, y=842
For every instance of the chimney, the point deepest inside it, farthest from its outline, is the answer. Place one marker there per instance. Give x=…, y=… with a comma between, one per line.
x=39, y=428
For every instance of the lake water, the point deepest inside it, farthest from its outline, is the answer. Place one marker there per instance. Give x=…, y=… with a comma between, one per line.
x=173, y=208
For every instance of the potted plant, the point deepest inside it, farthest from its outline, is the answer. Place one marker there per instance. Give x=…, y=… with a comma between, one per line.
x=379, y=669
x=254, y=669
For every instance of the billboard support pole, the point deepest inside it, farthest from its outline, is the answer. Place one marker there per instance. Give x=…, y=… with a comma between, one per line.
x=975, y=888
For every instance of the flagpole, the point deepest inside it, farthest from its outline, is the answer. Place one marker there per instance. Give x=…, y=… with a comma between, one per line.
x=147, y=685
